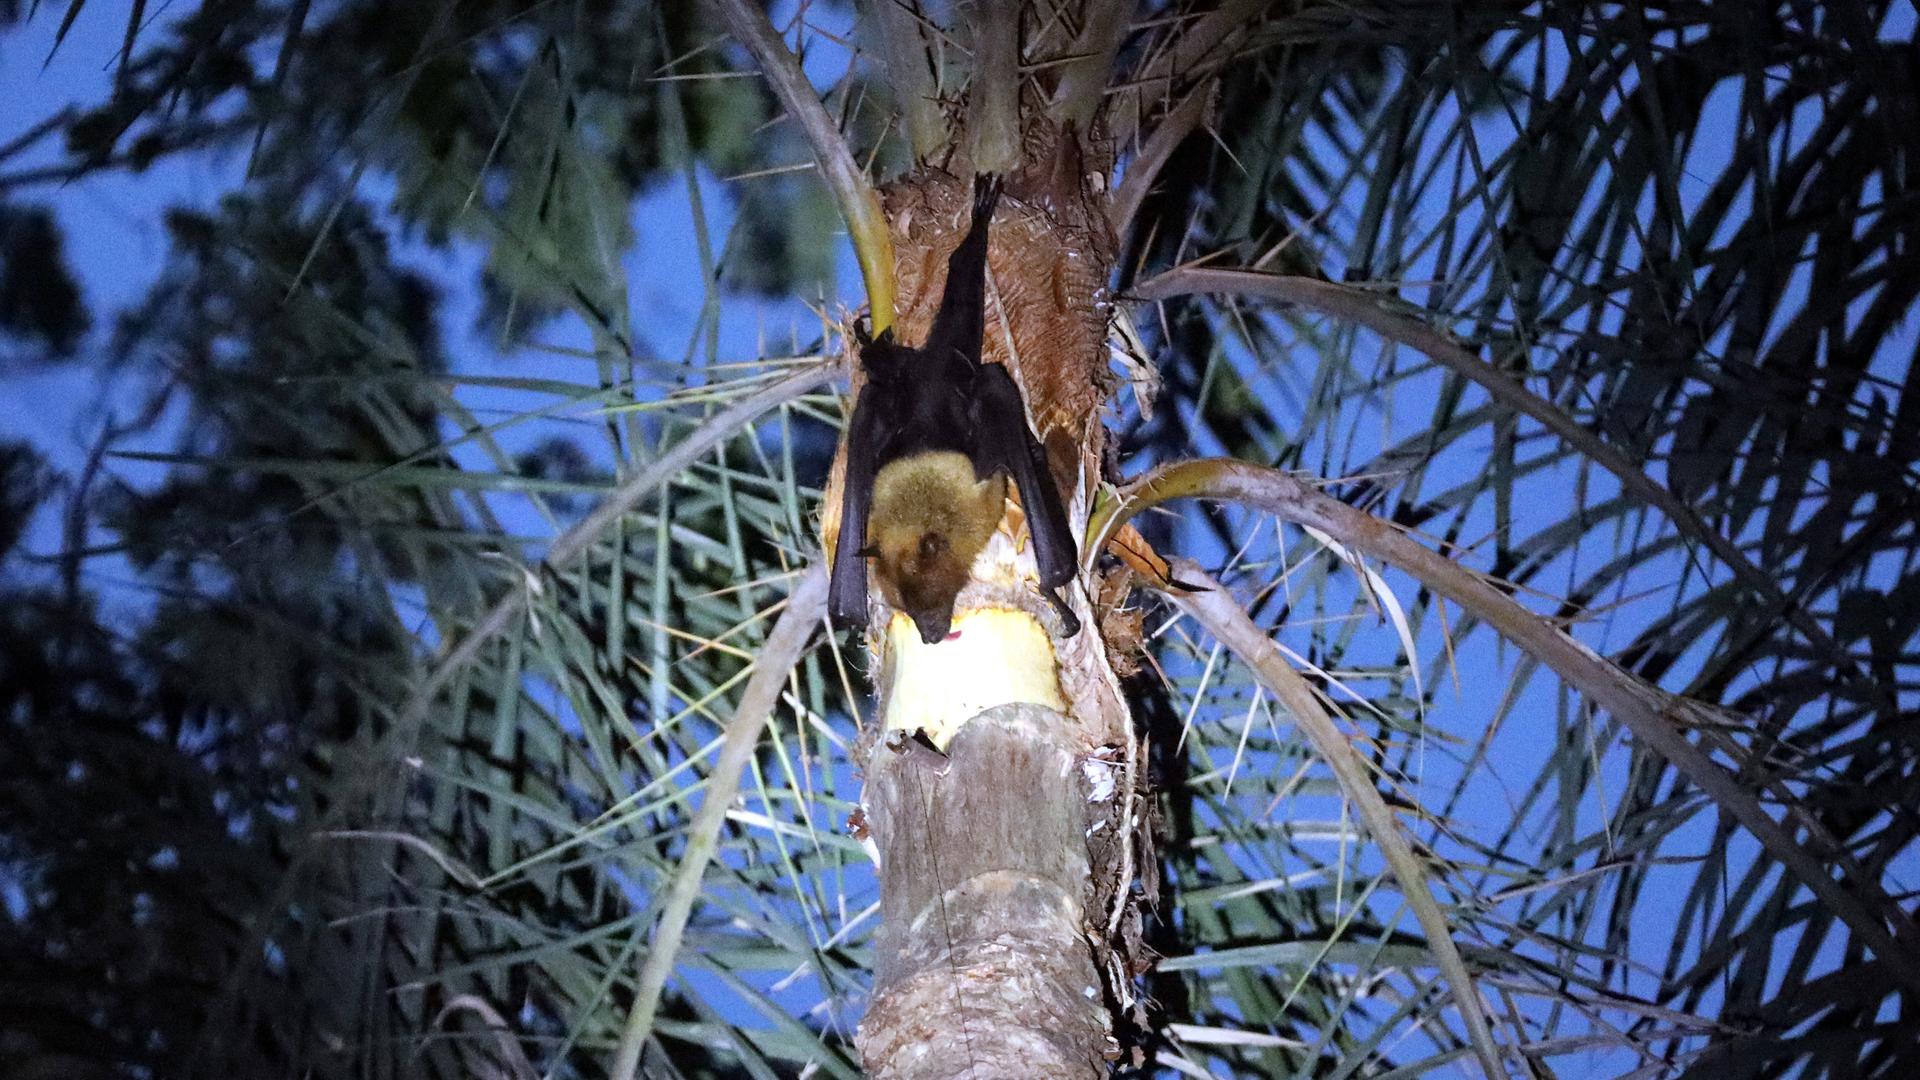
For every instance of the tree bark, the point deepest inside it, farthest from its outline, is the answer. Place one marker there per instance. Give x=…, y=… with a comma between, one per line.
x=982, y=964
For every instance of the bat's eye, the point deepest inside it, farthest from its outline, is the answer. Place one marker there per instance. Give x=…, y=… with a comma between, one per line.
x=869, y=552
x=932, y=545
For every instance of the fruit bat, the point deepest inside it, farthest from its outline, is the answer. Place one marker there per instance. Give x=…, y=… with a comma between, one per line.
x=933, y=440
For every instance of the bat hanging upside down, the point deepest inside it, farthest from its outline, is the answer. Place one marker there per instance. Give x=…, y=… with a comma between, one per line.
x=933, y=439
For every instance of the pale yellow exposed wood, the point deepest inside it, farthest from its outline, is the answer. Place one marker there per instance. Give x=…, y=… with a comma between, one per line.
x=995, y=656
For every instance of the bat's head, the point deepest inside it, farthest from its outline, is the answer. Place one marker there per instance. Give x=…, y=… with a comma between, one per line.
x=931, y=517
x=920, y=573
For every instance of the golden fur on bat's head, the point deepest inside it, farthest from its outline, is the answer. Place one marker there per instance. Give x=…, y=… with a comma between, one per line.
x=929, y=520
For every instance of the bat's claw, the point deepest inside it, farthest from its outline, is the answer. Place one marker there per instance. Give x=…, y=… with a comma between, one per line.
x=986, y=193
x=1069, y=622
x=864, y=337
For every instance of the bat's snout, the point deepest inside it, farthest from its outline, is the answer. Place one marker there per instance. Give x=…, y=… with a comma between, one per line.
x=934, y=626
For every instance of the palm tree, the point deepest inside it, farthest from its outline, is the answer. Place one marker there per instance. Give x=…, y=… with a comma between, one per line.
x=1295, y=801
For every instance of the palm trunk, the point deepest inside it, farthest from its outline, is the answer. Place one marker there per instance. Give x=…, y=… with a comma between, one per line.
x=982, y=964
x=995, y=907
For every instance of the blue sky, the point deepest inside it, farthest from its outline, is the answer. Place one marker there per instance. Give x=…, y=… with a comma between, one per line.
x=114, y=238
x=116, y=243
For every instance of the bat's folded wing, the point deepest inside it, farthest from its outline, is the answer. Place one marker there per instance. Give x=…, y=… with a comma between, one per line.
x=1008, y=443
x=847, y=590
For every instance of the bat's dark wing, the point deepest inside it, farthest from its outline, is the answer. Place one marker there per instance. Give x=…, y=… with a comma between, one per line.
x=1003, y=441
x=847, y=591
x=961, y=320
